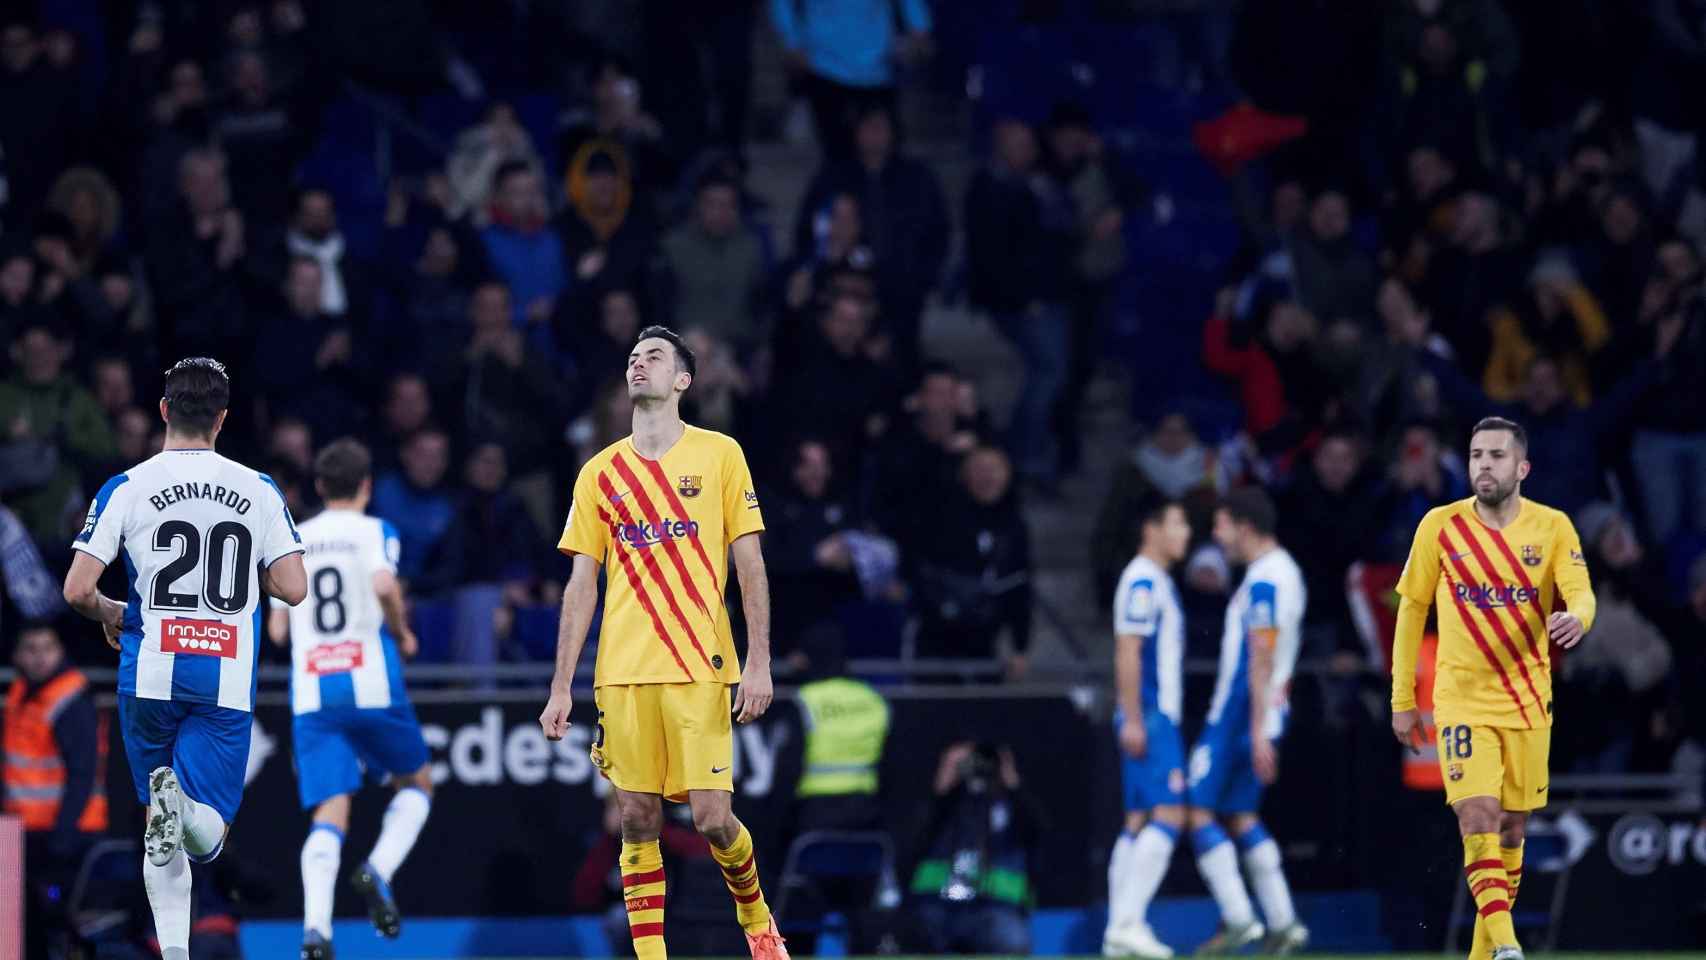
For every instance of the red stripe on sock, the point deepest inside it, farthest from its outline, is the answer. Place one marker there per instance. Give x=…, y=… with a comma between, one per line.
x=1515, y=872
x=640, y=930
x=737, y=871
x=1483, y=865
x=748, y=897
x=1475, y=890
x=635, y=879
x=1495, y=906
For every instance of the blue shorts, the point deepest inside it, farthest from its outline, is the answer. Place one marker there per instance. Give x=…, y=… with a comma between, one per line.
x=207, y=746
x=1222, y=777
x=335, y=747
x=1158, y=779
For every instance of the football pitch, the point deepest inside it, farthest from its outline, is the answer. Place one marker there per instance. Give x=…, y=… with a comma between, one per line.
x=1632, y=955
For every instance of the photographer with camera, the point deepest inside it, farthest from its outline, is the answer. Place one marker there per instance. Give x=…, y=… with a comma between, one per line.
x=971, y=884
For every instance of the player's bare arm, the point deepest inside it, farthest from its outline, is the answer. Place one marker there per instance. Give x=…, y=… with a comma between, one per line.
x=278, y=627
x=580, y=596
x=286, y=579
x=1128, y=675
x=756, y=691
x=390, y=593
x=83, y=594
x=1262, y=755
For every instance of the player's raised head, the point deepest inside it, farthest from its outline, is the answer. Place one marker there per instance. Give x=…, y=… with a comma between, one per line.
x=1166, y=529
x=661, y=365
x=1245, y=519
x=1498, y=459
x=343, y=470
x=196, y=395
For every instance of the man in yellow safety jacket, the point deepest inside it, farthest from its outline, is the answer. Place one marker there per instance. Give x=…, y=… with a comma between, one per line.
x=844, y=724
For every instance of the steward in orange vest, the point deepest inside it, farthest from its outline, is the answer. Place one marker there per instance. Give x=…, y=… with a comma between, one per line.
x=55, y=748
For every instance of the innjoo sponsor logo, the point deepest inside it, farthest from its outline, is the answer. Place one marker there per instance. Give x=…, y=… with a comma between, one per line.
x=202, y=638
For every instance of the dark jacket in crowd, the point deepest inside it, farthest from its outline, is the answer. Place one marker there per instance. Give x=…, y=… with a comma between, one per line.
x=905, y=222
x=803, y=592
x=491, y=539
x=972, y=571
x=1019, y=243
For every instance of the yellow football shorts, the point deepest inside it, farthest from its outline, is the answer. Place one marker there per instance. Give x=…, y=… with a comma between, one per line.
x=664, y=738
x=1508, y=764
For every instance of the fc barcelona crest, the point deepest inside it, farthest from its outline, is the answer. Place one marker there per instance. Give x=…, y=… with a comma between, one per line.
x=1454, y=771
x=689, y=486
x=1530, y=555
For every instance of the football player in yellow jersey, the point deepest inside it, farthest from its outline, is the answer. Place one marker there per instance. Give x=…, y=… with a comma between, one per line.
x=661, y=510
x=1509, y=579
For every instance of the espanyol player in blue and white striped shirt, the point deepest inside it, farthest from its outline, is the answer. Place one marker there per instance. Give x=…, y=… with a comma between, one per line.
x=1236, y=755
x=203, y=539
x=1149, y=650
x=346, y=689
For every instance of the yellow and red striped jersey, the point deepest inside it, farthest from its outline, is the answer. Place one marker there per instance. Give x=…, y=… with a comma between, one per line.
x=662, y=529
x=1494, y=590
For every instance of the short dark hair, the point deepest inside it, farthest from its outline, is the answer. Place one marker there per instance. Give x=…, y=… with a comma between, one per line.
x=197, y=390
x=1500, y=423
x=1253, y=506
x=1152, y=508
x=684, y=357
x=340, y=468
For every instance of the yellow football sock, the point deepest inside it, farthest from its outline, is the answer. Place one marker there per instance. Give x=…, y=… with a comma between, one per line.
x=740, y=872
x=643, y=890
x=1485, y=870
x=1512, y=856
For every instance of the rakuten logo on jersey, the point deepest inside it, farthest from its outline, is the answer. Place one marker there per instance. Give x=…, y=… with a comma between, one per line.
x=201, y=638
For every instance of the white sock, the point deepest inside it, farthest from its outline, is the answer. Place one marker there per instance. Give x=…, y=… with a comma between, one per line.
x=1219, y=866
x=204, y=829
x=1119, y=882
x=1151, y=853
x=1262, y=860
x=402, y=824
x=320, y=855
x=169, y=897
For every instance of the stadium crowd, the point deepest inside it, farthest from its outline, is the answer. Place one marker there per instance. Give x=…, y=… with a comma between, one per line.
x=1484, y=216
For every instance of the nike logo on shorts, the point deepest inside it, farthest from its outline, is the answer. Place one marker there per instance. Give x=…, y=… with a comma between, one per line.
x=716, y=770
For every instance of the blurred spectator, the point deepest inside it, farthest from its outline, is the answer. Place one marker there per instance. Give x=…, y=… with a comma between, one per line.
x=603, y=335
x=37, y=106
x=837, y=240
x=18, y=301
x=1478, y=268
x=53, y=772
x=1102, y=191
x=973, y=568
x=1669, y=449
x=114, y=388
x=195, y=255
x=841, y=353
x=415, y=500
x=713, y=268
x=91, y=208
x=917, y=463
x=1271, y=354
x=971, y=879
x=407, y=408
x=1557, y=314
x=1173, y=463
x=903, y=218
x=497, y=141
x=616, y=119
x=313, y=234
x=1449, y=70
x=810, y=563
x=293, y=442
x=1422, y=475
x=434, y=288
x=1018, y=240
x=1335, y=279
x=1619, y=255
x=133, y=428
x=720, y=385
x=523, y=250
x=1621, y=562
x=487, y=557
x=609, y=420
x=307, y=363
x=511, y=396
x=175, y=122
x=1393, y=387
x=1564, y=438
x=261, y=137
x=843, y=53
x=52, y=429
x=1325, y=518
x=608, y=233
